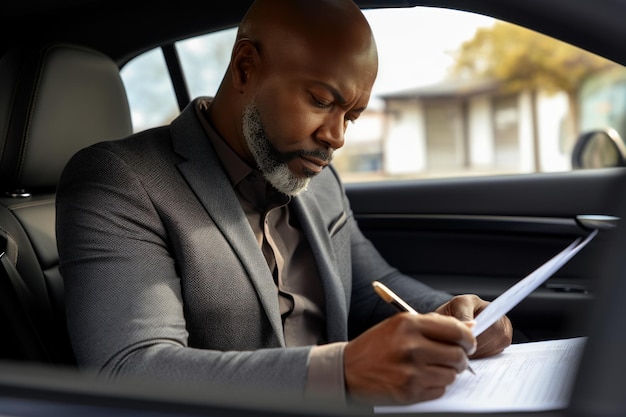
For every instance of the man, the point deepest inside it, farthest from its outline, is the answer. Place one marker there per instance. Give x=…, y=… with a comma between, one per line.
x=222, y=248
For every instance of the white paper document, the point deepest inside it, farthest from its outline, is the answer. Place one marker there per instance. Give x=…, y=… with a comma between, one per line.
x=511, y=297
x=534, y=376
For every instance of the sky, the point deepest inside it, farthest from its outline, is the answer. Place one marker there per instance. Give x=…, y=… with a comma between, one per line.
x=415, y=45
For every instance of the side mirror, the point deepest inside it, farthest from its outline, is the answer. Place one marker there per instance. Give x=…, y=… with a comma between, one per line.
x=599, y=149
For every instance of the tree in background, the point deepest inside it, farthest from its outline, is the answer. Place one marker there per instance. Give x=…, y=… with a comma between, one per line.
x=525, y=60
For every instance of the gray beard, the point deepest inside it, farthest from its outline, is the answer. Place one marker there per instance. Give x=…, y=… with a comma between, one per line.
x=272, y=163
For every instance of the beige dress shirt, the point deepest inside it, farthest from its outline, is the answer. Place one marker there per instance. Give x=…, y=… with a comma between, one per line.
x=291, y=261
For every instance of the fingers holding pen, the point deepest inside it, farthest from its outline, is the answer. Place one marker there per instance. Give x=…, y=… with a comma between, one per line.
x=406, y=358
x=392, y=298
x=449, y=330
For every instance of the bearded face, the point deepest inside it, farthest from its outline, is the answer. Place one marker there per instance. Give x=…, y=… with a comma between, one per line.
x=273, y=164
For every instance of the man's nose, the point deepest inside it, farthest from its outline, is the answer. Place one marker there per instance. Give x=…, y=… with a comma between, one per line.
x=332, y=132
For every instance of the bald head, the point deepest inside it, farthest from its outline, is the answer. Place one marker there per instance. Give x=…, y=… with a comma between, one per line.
x=333, y=28
x=307, y=17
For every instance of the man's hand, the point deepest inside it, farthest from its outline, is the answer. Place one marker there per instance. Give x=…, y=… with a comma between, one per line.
x=407, y=358
x=493, y=340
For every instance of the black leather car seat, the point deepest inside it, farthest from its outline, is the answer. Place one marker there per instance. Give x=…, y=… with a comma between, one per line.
x=54, y=100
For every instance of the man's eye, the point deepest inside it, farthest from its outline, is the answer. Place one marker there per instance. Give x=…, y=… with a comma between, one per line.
x=322, y=104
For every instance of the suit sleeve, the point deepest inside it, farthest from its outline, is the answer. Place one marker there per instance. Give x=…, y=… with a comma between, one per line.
x=123, y=291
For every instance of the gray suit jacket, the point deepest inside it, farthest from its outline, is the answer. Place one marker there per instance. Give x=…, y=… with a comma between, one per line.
x=164, y=277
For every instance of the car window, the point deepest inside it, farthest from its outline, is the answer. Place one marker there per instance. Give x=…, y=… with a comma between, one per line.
x=204, y=60
x=457, y=94
x=150, y=93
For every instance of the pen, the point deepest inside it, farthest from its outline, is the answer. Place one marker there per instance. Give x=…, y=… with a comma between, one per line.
x=392, y=298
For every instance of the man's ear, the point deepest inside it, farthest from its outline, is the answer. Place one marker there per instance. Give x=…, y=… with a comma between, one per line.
x=243, y=61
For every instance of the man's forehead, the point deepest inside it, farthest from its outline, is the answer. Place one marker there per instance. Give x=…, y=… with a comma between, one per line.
x=321, y=54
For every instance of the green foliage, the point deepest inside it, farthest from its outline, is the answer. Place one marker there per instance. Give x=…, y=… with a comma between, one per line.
x=523, y=59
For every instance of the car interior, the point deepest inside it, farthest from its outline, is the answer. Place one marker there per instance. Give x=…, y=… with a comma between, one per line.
x=480, y=235
x=61, y=98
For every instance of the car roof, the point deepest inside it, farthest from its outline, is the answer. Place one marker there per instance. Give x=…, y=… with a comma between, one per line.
x=123, y=29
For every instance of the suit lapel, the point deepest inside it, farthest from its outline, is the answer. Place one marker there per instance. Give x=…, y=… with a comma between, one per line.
x=309, y=213
x=203, y=172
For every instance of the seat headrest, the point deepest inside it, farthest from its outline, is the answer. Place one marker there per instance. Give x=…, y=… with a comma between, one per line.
x=55, y=100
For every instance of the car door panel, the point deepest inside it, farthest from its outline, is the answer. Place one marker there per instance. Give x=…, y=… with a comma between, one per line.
x=481, y=235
